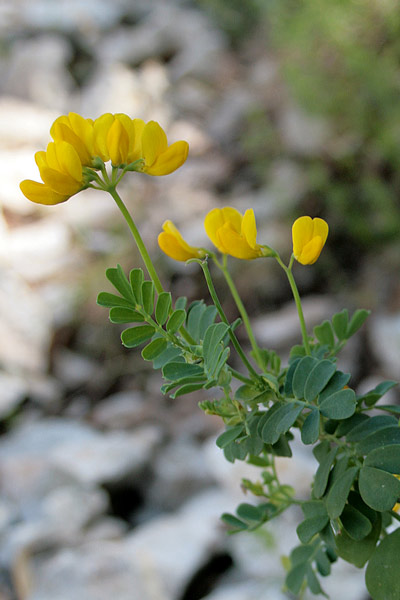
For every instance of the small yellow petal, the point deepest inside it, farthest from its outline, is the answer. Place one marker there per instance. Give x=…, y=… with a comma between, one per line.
x=68, y=160
x=172, y=243
x=235, y=244
x=60, y=182
x=136, y=150
x=40, y=193
x=249, y=228
x=154, y=142
x=170, y=160
x=117, y=143
x=216, y=218
x=320, y=228
x=101, y=127
x=302, y=231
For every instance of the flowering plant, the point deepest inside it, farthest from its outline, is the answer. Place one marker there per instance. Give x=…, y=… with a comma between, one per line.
x=351, y=510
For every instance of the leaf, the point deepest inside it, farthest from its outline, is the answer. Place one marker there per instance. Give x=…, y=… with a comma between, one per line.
x=295, y=577
x=386, y=458
x=154, y=349
x=110, y=300
x=279, y=421
x=379, y=489
x=301, y=554
x=372, y=397
x=303, y=369
x=340, y=322
x=233, y=522
x=177, y=370
x=336, y=383
x=289, y=377
x=370, y=426
x=382, y=574
x=357, y=552
x=340, y=405
x=170, y=353
x=180, y=303
x=322, y=474
x=339, y=492
x=136, y=278
x=314, y=508
x=324, y=334
x=357, y=320
x=310, y=428
x=357, y=525
x=134, y=336
x=313, y=582
x=229, y=436
x=195, y=312
x=118, y=278
x=310, y=527
x=176, y=320
x=119, y=314
x=323, y=563
x=148, y=296
x=348, y=424
x=318, y=379
x=395, y=409
x=249, y=512
x=188, y=388
x=163, y=306
x=207, y=318
x=382, y=437
x=212, y=346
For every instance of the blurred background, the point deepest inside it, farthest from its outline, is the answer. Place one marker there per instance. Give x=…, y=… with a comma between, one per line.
x=290, y=107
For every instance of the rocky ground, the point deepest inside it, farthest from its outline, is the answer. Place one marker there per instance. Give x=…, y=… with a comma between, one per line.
x=107, y=488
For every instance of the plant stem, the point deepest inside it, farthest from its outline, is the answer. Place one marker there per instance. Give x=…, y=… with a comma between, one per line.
x=138, y=239
x=296, y=296
x=221, y=312
x=241, y=308
x=395, y=515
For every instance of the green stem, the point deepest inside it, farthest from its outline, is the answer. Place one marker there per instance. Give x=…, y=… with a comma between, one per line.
x=241, y=308
x=296, y=296
x=138, y=239
x=221, y=312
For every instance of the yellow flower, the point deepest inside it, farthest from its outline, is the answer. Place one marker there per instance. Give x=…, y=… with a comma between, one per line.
x=124, y=140
x=172, y=243
x=159, y=158
x=309, y=237
x=61, y=172
x=233, y=233
x=78, y=132
x=396, y=507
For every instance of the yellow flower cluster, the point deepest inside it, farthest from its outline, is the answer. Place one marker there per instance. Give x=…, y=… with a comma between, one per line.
x=80, y=143
x=236, y=235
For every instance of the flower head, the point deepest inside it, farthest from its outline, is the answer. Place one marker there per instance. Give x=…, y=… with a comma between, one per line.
x=61, y=171
x=309, y=237
x=172, y=243
x=78, y=132
x=233, y=233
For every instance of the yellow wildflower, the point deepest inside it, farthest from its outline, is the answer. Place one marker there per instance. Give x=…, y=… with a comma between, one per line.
x=159, y=158
x=61, y=172
x=172, y=243
x=309, y=237
x=78, y=132
x=233, y=233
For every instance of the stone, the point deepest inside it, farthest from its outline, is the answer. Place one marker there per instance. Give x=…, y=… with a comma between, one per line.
x=108, y=457
x=303, y=134
x=384, y=335
x=37, y=70
x=280, y=329
x=122, y=410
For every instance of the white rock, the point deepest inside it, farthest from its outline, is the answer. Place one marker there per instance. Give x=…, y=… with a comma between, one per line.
x=37, y=70
x=303, y=134
x=384, y=333
x=106, y=458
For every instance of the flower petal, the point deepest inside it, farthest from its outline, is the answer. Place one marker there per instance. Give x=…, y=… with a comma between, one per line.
x=40, y=193
x=249, y=228
x=302, y=232
x=117, y=143
x=154, y=142
x=68, y=160
x=216, y=218
x=311, y=251
x=320, y=228
x=235, y=244
x=100, y=130
x=172, y=243
x=170, y=160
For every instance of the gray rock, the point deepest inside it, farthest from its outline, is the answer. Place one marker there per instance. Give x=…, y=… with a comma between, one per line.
x=108, y=457
x=281, y=328
x=303, y=134
x=122, y=410
x=37, y=70
x=248, y=590
x=179, y=472
x=384, y=334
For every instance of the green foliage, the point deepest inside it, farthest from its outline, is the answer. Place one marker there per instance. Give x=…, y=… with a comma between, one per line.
x=382, y=574
x=358, y=455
